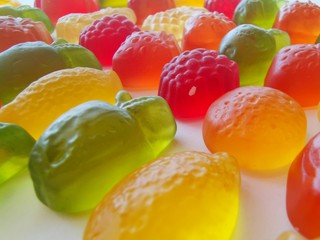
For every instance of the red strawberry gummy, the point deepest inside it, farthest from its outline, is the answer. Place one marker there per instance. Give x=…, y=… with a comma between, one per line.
x=226, y=7
x=194, y=79
x=141, y=57
x=104, y=36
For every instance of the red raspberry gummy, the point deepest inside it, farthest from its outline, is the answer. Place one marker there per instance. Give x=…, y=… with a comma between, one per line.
x=194, y=79
x=226, y=7
x=104, y=36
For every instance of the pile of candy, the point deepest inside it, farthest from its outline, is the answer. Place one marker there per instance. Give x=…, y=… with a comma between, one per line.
x=246, y=68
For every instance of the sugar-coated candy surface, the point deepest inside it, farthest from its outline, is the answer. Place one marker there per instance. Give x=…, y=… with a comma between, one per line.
x=253, y=48
x=295, y=70
x=15, y=147
x=141, y=57
x=206, y=30
x=303, y=187
x=226, y=7
x=103, y=37
x=301, y=20
x=189, y=195
x=171, y=21
x=37, y=106
x=191, y=81
x=88, y=149
x=19, y=30
x=194, y=3
x=33, y=60
x=58, y=8
x=263, y=128
x=70, y=26
x=261, y=13
x=144, y=8
x=10, y=3
x=112, y=3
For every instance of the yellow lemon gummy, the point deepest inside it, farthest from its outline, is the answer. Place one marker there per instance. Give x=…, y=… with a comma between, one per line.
x=10, y=2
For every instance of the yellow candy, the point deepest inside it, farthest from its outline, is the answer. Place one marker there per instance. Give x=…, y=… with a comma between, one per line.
x=290, y=235
x=10, y=2
x=37, y=106
x=195, y=3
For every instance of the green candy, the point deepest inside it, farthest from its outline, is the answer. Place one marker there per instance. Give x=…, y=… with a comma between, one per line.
x=24, y=63
x=15, y=147
x=90, y=148
x=253, y=48
x=112, y=3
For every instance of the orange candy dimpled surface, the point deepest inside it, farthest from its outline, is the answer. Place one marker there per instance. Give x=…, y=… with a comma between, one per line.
x=262, y=127
x=187, y=195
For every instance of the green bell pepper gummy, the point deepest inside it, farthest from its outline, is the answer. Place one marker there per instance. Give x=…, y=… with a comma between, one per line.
x=88, y=149
x=24, y=63
x=26, y=11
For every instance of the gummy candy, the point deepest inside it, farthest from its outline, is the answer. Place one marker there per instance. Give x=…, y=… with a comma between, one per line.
x=261, y=13
x=295, y=70
x=37, y=106
x=15, y=147
x=226, y=7
x=10, y=3
x=27, y=12
x=58, y=8
x=141, y=57
x=144, y=8
x=290, y=235
x=206, y=30
x=301, y=20
x=24, y=63
x=263, y=128
x=191, y=81
x=253, y=48
x=103, y=37
x=88, y=149
x=303, y=199
x=194, y=3
x=112, y=3
x=190, y=195
x=19, y=30
x=171, y=21
x=70, y=26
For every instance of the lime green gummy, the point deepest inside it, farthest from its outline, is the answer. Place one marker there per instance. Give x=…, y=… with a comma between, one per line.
x=113, y=3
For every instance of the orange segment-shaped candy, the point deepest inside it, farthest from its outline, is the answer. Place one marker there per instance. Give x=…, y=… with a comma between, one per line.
x=37, y=106
x=187, y=195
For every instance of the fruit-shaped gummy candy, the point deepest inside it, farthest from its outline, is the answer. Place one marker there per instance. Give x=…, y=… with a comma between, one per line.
x=26, y=11
x=263, y=128
x=24, y=63
x=88, y=149
x=226, y=7
x=253, y=48
x=58, y=8
x=10, y=3
x=206, y=30
x=171, y=21
x=144, y=8
x=141, y=57
x=37, y=106
x=19, y=30
x=189, y=195
x=103, y=37
x=295, y=70
x=112, y=3
x=70, y=26
x=303, y=188
x=193, y=3
x=261, y=13
x=15, y=147
x=193, y=80
x=301, y=20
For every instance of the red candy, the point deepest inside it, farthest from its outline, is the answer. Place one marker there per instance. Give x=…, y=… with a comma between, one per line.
x=193, y=80
x=303, y=190
x=226, y=6
x=105, y=36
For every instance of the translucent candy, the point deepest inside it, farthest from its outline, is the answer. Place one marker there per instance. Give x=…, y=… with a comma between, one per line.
x=10, y=3
x=226, y=7
x=191, y=3
x=112, y=3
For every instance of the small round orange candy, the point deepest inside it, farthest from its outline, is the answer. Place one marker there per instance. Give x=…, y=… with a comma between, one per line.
x=262, y=127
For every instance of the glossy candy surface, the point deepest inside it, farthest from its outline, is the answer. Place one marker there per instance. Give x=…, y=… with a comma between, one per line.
x=253, y=48
x=10, y=3
x=33, y=60
x=88, y=149
x=103, y=37
x=189, y=195
x=303, y=190
x=141, y=57
x=295, y=70
x=193, y=3
x=15, y=147
x=193, y=80
x=112, y=3
x=206, y=30
x=226, y=7
x=262, y=127
x=37, y=106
